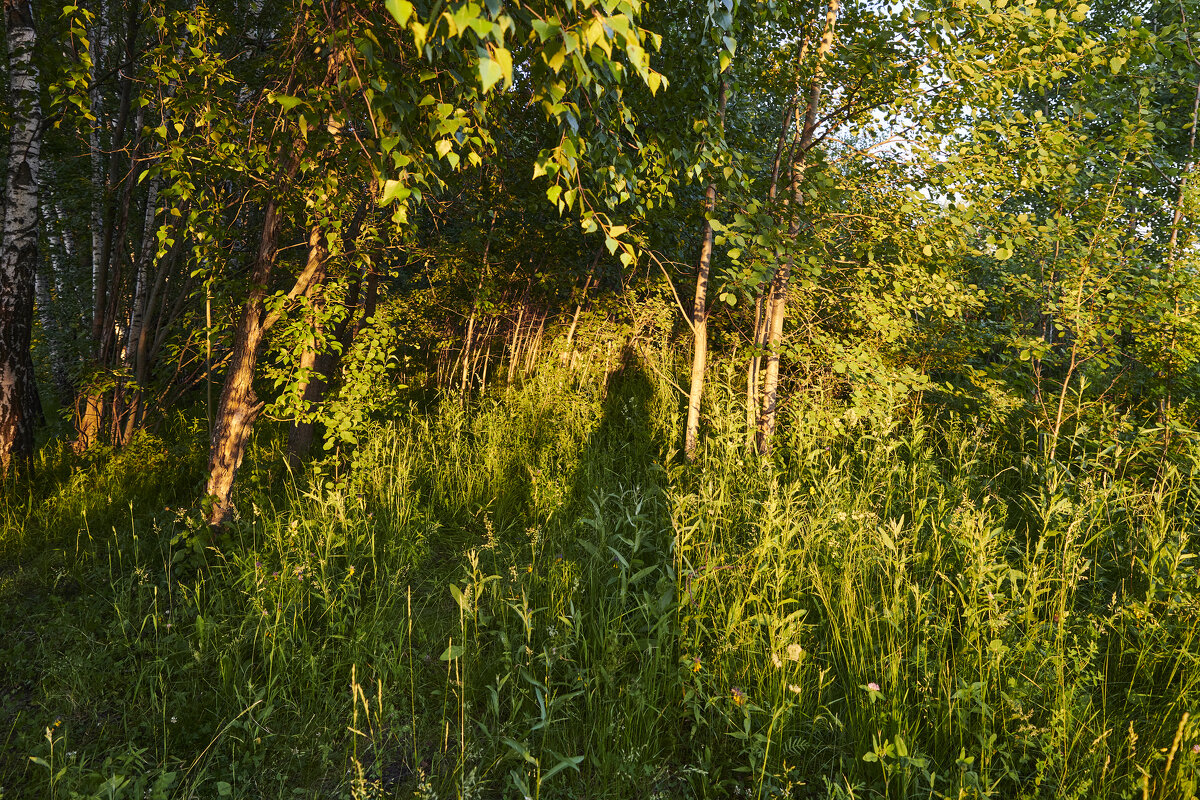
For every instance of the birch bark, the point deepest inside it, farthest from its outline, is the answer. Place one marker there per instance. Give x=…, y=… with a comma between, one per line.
x=19, y=406
x=700, y=307
x=777, y=310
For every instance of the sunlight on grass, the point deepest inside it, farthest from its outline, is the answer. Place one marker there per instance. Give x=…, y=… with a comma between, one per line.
x=916, y=610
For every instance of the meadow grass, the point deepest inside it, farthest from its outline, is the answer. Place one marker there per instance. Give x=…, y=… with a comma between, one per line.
x=531, y=596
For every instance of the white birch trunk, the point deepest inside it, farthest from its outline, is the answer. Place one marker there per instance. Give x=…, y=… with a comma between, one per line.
x=19, y=406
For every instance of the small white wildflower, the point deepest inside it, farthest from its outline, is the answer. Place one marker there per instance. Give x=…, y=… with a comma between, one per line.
x=794, y=651
x=776, y=660
x=793, y=688
x=174, y=720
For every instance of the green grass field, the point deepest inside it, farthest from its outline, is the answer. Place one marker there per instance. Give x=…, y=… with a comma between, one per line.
x=531, y=596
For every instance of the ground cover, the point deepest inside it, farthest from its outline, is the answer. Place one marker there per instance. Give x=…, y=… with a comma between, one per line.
x=529, y=595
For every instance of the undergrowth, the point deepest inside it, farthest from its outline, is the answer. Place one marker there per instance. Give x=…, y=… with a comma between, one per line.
x=530, y=596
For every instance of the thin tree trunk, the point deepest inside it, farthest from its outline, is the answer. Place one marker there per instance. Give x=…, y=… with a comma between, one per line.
x=535, y=347
x=468, y=364
x=700, y=305
x=481, y=356
x=757, y=343
x=466, y=354
x=568, y=354
x=99, y=42
x=487, y=359
x=515, y=338
x=106, y=224
x=777, y=308
x=50, y=321
x=764, y=305
x=141, y=278
x=320, y=366
x=102, y=251
x=20, y=409
x=312, y=382
x=156, y=326
x=135, y=339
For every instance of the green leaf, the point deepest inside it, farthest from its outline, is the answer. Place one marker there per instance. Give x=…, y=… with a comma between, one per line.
x=286, y=101
x=544, y=30
x=521, y=750
x=452, y=652
x=489, y=73
x=504, y=58
x=400, y=10
x=391, y=191
x=568, y=761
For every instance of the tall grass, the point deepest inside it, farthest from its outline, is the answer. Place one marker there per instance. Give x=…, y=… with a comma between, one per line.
x=529, y=596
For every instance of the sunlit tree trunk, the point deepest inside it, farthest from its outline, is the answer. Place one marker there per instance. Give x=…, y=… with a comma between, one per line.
x=239, y=406
x=700, y=305
x=764, y=303
x=757, y=344
x=141, y=277
x=464, y=379
x=19, y=406
x=777, y=308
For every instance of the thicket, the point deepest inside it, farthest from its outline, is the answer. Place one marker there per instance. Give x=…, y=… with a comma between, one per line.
x=599, y=398
x=527, y=594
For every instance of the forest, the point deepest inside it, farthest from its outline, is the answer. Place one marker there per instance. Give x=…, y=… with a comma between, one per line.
x=630, y=399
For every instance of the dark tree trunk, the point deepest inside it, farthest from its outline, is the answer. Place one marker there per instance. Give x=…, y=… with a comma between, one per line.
x=312, y=364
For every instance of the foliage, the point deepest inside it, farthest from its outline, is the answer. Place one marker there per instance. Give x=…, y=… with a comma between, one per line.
x=466, y=232
x=526, y=597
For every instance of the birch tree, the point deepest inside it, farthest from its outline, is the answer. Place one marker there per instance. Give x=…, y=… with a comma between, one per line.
x=20, y=408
